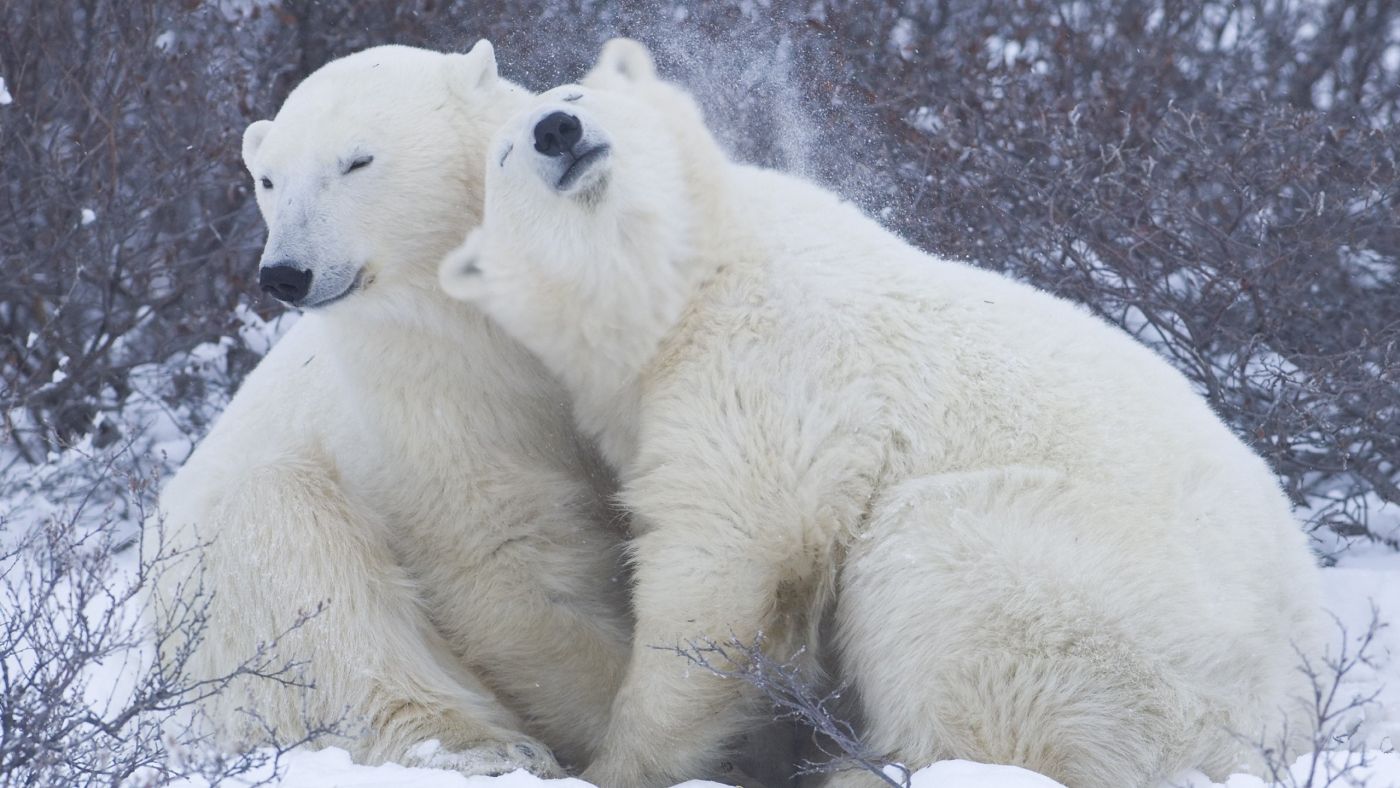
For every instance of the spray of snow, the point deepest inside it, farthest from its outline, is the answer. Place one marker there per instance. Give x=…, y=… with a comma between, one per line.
x=5, y=97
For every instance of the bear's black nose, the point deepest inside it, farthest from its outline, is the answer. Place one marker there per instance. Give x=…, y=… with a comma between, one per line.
x=284, y=282
x=557, y=134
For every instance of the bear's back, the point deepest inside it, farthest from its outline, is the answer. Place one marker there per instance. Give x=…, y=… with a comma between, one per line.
x=994, y=370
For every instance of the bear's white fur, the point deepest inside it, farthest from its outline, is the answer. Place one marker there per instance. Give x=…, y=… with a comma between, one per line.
x=1036, y=543
x=433, y=492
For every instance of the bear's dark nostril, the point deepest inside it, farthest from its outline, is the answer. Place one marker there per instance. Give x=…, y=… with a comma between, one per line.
x=285, y=282
x=557, y=134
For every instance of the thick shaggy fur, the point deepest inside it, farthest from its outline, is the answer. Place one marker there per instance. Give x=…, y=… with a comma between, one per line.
x=400, y=459
x=1039, y=546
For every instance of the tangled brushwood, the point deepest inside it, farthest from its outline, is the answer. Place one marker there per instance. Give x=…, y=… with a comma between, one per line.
x=1218, y=178
x=83, y=701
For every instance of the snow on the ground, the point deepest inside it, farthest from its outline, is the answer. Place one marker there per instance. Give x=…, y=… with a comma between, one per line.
x=1377, y=770
x=331, y=768
x=966, y=774
x=1363, y=577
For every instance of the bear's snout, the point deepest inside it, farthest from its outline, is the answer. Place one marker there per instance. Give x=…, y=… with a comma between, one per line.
x=284, y=281
x=557, y=134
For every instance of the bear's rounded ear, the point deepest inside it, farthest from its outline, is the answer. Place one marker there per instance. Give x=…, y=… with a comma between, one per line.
x=474, y=70
x=253, y=137
x=625, y=58
x=459, y=273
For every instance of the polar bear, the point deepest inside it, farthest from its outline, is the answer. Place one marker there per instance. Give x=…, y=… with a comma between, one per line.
x=1036, y=545
x=398, y=458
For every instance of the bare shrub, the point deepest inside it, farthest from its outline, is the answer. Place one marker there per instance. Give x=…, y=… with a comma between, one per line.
x=794, y=696
x=83, y=701
x=125, y=233
x=1155, y=162
x=1336, y=712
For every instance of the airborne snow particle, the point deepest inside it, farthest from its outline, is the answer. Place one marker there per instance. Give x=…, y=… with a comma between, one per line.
x=89, y=216
x=5, y=97
x=902, y=37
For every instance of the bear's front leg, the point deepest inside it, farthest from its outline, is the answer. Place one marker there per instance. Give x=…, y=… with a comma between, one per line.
x=695, y=582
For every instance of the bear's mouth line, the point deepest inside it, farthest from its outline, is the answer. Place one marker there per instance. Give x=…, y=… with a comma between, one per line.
x=355, y=284
x=581, y=165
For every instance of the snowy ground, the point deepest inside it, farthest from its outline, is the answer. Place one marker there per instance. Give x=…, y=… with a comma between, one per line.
x=333, y=769
x=1364, y=577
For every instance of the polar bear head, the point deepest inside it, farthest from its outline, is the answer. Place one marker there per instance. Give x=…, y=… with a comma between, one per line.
x=370, y=171
x=597, y=194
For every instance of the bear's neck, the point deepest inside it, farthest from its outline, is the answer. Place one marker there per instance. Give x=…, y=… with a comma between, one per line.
x=607, y=347
x=423, y=358
x=601, y=340
x=412, y=304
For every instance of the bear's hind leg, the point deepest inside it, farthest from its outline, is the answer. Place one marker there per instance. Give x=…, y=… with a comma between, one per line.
x=973, y=626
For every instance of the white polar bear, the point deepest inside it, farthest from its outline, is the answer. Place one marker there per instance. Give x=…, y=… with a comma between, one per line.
x=1037, y=544
x=436, y=496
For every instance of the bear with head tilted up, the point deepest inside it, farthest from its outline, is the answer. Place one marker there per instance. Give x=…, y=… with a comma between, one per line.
x=396, y=458
x=1034, y=542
